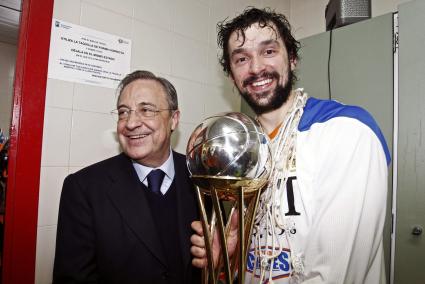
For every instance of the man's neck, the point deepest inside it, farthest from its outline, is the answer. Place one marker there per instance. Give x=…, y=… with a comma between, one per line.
x=270, y=120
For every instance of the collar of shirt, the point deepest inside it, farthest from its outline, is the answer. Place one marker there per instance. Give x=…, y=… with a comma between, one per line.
x=167, y=167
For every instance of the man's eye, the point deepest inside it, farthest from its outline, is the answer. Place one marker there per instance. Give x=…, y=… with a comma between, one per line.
x=123, y=112
x=146, y=110
x=270, y=51
x=240, y=60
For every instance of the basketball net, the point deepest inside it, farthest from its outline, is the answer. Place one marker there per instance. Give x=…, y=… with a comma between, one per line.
x=270, y=217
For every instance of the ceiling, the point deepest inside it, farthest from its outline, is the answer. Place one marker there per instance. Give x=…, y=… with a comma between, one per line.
x=10, y=11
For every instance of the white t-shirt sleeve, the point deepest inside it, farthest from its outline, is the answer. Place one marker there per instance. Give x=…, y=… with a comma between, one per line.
x=349, y=188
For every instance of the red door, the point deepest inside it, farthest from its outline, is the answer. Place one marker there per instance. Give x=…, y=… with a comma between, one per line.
x=25, y=142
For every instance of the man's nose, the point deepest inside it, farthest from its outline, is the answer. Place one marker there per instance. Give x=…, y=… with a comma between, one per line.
x=134, y=120
x=256, y=65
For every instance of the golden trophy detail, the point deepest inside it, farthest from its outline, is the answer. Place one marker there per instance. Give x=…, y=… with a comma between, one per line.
x=229, y=159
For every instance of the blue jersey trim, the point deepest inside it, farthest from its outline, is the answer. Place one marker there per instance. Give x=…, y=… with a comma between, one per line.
x=318, y=111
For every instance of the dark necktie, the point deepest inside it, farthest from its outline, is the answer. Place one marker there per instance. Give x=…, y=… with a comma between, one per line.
x=155, y=178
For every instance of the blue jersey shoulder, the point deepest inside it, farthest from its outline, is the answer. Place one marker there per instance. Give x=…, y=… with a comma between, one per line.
x=319, y=111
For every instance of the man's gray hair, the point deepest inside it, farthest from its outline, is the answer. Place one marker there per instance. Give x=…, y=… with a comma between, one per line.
x=147, y=75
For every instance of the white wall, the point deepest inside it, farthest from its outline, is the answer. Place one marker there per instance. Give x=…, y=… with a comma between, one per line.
x=308, y=16
x=7, y=74
x=172, y=38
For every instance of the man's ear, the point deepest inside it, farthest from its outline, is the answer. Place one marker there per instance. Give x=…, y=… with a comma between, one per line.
x=293, y=61
x=175, y=118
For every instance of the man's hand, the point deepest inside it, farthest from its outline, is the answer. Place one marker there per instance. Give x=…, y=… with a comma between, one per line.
x=198, y=249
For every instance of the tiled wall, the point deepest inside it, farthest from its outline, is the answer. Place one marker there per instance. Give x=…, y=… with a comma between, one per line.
x=7, y=72
x=173, y=38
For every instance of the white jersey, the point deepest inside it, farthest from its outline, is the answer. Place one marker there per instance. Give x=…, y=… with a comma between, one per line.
x=333, y=209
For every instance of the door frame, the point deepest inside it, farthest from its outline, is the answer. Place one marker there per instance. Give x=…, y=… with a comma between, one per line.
x=26, y=133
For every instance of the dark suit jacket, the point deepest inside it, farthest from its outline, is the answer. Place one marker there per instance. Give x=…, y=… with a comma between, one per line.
x=106, y=233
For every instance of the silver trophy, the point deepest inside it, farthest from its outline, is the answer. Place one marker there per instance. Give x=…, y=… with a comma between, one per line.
x=229, y=159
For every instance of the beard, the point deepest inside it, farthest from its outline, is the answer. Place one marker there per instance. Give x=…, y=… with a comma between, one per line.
x=279, y=96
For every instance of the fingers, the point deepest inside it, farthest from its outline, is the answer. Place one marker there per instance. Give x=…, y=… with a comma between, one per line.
x=197, y=241
x=200, y=262
x=199, y=257
x=232, y=238
x=198, y=249
x=234, y=222
x=198, y=246
x=198, y=252
x=197, y=227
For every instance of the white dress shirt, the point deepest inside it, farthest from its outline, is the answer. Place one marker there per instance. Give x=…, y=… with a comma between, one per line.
x=167, y=167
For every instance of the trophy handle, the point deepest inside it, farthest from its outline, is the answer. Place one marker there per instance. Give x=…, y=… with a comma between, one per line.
x=222, y=236
x=246, y=206
x=207, y=239
x=246, y=223
x=210, y=273
x=249, y=224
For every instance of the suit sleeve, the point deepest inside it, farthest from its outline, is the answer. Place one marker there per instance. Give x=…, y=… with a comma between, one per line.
x=75, y=258
x=350, y=185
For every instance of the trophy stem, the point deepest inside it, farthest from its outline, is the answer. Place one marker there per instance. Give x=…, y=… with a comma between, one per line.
x=246, y=220
x=234, y=264
x=241, y=232
x=252, y=209
x=207, y=240
x=222, y=236
x=245, y=203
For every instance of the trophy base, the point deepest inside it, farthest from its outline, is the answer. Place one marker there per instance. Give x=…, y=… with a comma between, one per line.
x=244, y=193
x=227, y=187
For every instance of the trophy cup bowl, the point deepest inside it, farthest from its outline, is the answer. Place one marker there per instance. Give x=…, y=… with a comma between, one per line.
x=229, y=159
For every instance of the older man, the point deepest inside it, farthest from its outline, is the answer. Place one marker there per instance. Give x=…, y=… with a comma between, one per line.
x=127, y=219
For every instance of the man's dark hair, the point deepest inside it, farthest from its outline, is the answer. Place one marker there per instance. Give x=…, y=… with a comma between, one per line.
x=146, y=75
x=265, y=18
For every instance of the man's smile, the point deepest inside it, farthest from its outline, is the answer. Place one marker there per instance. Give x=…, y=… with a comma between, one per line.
x=261, y=83
x=137, y=136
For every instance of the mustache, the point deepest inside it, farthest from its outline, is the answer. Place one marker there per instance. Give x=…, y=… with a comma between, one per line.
x=267, y=75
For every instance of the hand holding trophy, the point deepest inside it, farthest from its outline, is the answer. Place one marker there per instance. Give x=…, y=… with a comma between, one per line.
x=229, y=159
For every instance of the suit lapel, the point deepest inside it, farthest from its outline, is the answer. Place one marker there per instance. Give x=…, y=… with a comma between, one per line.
x=186, y=204
x=127, y=196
